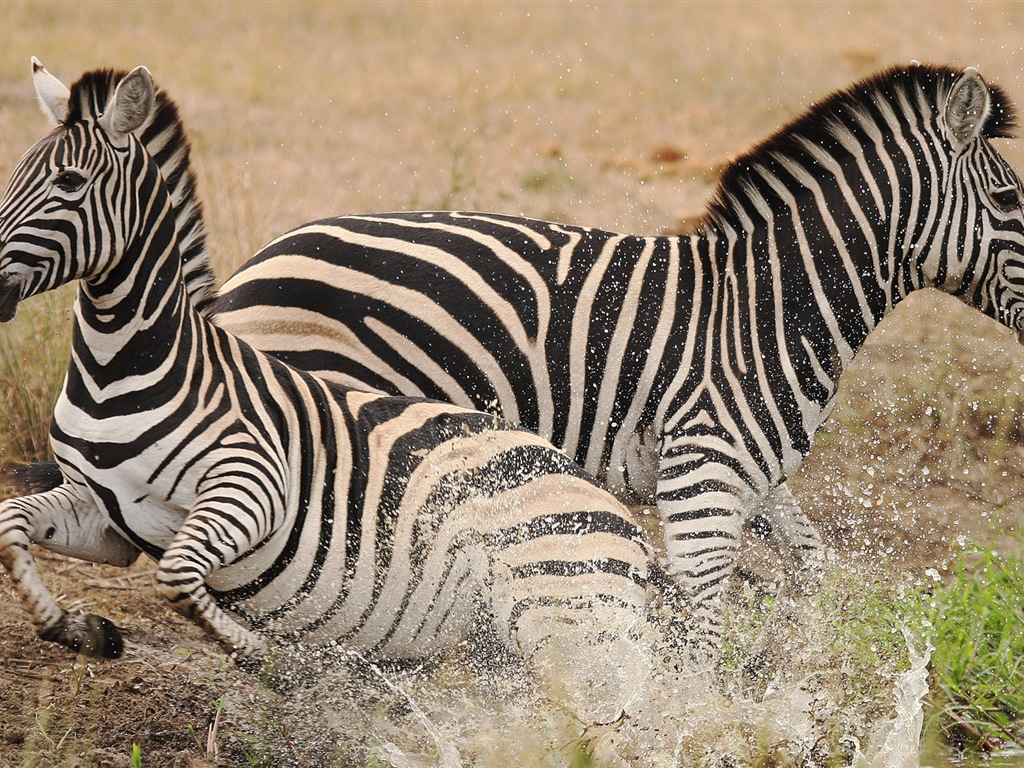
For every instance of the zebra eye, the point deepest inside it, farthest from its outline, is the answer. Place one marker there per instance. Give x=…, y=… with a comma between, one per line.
x=69, y=181
x=1007, y=199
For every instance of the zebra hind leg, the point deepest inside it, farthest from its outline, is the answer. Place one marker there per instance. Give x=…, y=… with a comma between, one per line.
x=574, y=612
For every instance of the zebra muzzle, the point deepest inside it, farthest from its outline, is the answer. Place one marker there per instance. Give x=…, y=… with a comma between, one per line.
x=10, y=295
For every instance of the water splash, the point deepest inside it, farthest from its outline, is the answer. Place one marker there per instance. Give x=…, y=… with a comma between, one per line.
x=897, y=742
x=448, y=755
x=831, y=681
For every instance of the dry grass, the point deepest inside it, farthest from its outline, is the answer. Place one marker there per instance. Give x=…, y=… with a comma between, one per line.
x=614, y=115
x=33, y=361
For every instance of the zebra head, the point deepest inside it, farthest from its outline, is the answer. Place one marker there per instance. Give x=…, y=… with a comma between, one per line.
x=977, y=253
x=55, y=222
x=898, y=179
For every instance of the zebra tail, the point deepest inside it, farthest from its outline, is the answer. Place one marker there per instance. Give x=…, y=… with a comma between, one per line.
x=31, y=478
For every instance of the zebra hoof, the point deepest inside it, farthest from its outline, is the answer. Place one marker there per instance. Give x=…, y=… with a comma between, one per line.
x=88, y=634
x=251, y=665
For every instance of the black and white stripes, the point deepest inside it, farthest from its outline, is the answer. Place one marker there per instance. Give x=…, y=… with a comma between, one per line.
x=692, y=371
x=315, y=511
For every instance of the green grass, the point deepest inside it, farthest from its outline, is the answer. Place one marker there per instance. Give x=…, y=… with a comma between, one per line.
x=853, y=644
x=978, y=663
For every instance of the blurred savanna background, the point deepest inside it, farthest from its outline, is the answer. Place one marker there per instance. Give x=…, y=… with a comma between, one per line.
x=616, y=115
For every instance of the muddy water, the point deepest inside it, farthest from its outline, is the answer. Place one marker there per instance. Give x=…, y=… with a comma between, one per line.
x=456, y=715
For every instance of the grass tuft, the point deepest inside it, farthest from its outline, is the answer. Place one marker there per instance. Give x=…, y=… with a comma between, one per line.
x=978, y=663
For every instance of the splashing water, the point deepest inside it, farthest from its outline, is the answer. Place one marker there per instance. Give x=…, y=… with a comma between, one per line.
x=897, y=741
x=830, y=681
x=448, y=755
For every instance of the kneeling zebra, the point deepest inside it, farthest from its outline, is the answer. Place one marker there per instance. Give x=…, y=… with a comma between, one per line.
x=277, y=503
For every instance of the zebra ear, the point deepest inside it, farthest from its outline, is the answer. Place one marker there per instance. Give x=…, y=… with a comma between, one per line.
x=53, y=94
x=967, y=108
x=130, y=105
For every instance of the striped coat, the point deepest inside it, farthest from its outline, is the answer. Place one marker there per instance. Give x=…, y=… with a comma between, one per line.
x=691, y=371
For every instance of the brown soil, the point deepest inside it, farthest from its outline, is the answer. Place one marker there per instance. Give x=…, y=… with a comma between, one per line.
x=173, y=693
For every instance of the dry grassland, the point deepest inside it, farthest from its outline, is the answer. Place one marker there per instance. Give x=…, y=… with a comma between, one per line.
x=615, y=115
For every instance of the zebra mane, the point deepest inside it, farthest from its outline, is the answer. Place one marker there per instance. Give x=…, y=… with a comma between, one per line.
x=163, y=136
x=895, y=87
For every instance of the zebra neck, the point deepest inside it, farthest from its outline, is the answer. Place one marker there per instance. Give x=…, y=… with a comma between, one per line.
x=790, y=314
x=133, y=319
x=167, y=143
x=800, y=274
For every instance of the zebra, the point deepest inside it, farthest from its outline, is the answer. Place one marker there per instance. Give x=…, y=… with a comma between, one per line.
x=274, y=502
x=687, y=371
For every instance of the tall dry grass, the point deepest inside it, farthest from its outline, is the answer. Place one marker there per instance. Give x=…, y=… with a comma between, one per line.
x=32, y=366
x=612, y=114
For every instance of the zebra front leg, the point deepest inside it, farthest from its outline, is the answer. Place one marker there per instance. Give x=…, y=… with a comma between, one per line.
x=780, y=520
x=201, y=547
x=702, y=511
x=55, y=517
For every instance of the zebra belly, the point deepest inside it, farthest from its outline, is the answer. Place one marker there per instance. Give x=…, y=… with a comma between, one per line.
x=153, y=522
x=134, y=507
x=397, y=617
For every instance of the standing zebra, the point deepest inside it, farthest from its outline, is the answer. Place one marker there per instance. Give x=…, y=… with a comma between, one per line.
x=314, y=511
x=692, y=371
